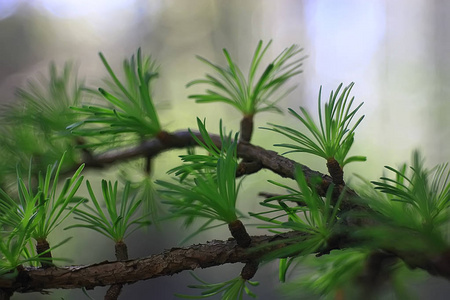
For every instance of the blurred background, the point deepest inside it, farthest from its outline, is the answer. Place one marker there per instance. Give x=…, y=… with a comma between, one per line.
x=396, y=52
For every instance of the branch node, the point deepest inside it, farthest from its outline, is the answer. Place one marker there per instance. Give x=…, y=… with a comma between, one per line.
x=246, y=129
x=239, y=233
x=42, y=249
x=335, y=171
x=249, y=270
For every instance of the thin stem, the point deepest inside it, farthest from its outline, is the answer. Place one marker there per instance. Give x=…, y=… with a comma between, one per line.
x=335, y=171
x=246, y=128
x=42, y=246
x=239, y=232
x=121, y=250
x=249, y=270
x=114, y=290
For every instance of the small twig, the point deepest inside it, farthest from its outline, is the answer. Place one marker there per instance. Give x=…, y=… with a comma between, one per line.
x=249, y=270
x=121, y=250
x=148, y=165
x=335, y=171
x=114, y=290
x=239, y=232
x=246, y=129
x=43, y=250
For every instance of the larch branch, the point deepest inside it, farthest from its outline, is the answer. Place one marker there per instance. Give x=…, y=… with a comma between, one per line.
x=169, y=262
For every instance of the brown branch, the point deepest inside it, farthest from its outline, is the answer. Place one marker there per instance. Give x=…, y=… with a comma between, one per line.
x=248, y=167
x=257, y=156
x=149, y=148
x=212, y=253
x=169, y=262
x=270, y=160
x=175, y=260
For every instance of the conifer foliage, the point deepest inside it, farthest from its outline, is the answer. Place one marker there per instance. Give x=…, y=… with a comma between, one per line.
x=355, y=241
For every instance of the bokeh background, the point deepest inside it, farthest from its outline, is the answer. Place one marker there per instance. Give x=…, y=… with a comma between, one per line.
x=396, y=52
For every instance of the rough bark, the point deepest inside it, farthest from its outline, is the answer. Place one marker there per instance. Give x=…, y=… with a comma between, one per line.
x=175, y=260
x=170, y=262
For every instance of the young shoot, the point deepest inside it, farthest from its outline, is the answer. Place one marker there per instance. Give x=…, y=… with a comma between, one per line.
x=40, y=210
x=201, y=162
x=251, y=94
x=117, y=221
x=35, y=124
x=45, y=103
x=415, y=199
x=332, y=137
x=129, y=107
x=209, y=192
x=16, y=226
x=301, y=210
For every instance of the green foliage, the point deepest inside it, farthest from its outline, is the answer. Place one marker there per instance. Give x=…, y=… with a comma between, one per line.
x=16, y=226
x=143, y=187
x=14, y=212
x=47, y=204
x=412, y=204
x=427, y=197
x=342, y=274
x=406, y=215
x=35, y=214
x=283, y=266
x=53, y=204
x=332, y=137
x=35, y=126
x=131, y=108
x=114, y=223
x=231, y=289
x=306, y=212
x=200, y=162
x=250, y=95
x=207, y=192
x=46, y=102
x=16, y=250
x=329, y=275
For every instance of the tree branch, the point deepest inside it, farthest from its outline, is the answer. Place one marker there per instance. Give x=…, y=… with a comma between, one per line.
x=258, y=156
x=170, y=262
x=271, y=160
x=175, y=260
x=213, y=253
